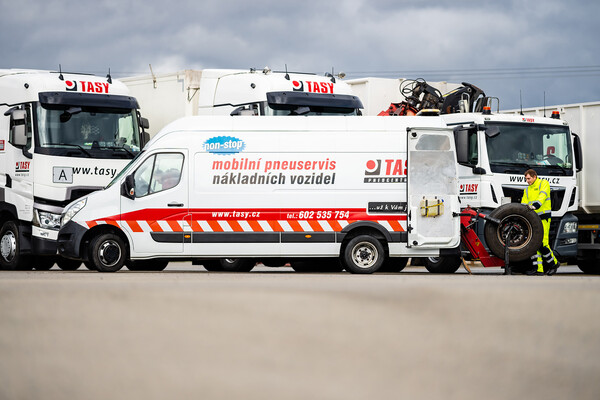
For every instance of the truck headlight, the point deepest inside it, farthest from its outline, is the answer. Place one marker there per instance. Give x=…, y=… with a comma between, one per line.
x=72, y=210
x=570, y=227
x=46, y=220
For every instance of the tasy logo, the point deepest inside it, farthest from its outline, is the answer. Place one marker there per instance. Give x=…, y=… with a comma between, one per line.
x=87, y=87
x=385, y=171
x=312, y=87
x=22, y=166
x=224, y=145
x=468, y=188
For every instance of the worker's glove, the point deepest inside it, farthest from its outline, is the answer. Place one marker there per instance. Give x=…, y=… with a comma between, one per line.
x=536, y=205
x=530, y=206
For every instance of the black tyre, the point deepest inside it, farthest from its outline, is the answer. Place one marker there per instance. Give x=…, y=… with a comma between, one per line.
x=237, y=264
x=589, y=266
x=526, y=236
x=107, y=252
x=363, y=254
x=212, y=265
x=443, y=265
x=10, y=248
x=42, y=263
x=394, y=264
x=89, y=265
x=67, y=264
x=147, y=265
x=317, y=265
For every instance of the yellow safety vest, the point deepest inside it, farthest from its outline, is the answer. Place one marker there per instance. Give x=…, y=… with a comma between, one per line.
x=538, y=193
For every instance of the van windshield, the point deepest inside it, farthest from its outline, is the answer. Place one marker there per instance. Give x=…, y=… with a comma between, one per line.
x=87, y=132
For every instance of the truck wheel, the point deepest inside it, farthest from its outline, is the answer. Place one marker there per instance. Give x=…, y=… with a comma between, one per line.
x=526, y=236
x=212, y=265
x=363, y=254
x=147, y=265
x=236, y=264
x=10, y=257
x=589, y=266
x=42, y=263
x=107, y=252
x=67, y=264
x=320, y=264
x=443, y=265
x=394, y=264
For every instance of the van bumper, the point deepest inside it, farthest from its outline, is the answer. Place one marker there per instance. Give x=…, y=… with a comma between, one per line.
x=69, y=240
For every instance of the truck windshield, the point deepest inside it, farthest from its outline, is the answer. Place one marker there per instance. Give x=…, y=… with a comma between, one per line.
x=518, y=147
x=88, y=132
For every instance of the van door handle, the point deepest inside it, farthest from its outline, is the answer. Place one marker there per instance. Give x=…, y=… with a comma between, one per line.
x=174, y=204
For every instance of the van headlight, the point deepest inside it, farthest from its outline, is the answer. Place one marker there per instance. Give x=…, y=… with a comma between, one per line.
x=71, y=210
x=570, y=227
x=46, y=220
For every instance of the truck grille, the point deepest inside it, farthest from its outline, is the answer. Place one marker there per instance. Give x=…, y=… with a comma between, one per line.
x=516, y=194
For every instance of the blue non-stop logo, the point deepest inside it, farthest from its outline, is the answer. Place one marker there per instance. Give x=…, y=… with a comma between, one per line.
x=224, y=145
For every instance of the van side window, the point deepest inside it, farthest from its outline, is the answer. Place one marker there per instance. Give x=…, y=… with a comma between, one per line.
x=160, y=172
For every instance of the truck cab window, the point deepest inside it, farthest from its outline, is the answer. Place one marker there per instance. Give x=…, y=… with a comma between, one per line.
x=159, y=172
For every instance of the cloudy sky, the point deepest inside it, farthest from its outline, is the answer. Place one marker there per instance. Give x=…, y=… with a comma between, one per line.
x=507, y=48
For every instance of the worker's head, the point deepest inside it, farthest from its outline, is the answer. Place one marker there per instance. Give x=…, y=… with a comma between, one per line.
x=530, y=176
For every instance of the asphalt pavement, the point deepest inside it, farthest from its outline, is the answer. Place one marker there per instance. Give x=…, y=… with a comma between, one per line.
x=185, y=333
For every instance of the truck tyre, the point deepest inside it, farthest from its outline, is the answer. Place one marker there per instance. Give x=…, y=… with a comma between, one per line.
x=67, y=264
x=236, y=264
x=316, y=265
x=363, y=254
x=42, y=263
x=394, y=264
x=147, y=265
x=107, y=252
x=527, y=234
x=589, y=266
x=212, y=265
x=10, y=248
x=443, y=265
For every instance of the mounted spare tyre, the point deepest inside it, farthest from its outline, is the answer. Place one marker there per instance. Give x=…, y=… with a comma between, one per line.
x=526, y=234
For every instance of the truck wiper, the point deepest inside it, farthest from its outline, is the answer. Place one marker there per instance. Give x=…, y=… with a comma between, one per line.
x=84, y=151
x=556, y=166
x=117, y=148
x=511, y=164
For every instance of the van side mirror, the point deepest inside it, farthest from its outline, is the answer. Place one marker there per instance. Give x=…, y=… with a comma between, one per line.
x=18, y=133
x=128, y=187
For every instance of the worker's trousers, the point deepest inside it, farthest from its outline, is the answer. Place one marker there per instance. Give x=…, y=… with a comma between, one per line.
x=544, y=259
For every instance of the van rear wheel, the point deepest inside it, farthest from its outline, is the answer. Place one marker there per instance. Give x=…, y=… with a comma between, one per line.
x=363, y=254
x=107, y=252
x=443, y=265
x=237, y=264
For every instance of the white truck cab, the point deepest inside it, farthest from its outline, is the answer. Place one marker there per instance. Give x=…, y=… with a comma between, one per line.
x=62, y=136
x=369, y=191
x=495, y=150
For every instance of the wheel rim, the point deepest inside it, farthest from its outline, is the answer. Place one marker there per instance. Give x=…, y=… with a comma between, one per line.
x=109, y=253
x=364, y=255
x=520, y=234
x=8, y=246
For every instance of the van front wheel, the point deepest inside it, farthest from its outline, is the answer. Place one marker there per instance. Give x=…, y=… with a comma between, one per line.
x=107, y=252
x=363, y=254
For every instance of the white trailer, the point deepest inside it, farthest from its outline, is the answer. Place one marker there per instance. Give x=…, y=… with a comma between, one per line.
x=167, y=97
x=584, y=120
x=62, y=135
x=367, y=190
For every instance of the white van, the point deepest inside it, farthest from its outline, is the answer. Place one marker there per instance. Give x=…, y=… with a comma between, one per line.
x=365, y=191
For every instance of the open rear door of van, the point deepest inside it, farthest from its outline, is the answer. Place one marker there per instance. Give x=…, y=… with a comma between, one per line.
x=432, y=189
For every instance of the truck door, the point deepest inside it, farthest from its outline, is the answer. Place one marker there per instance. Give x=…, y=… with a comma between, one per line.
x=154, y=218
x=432, y=189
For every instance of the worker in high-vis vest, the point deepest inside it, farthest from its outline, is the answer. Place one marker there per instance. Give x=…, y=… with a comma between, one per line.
x=537, y=197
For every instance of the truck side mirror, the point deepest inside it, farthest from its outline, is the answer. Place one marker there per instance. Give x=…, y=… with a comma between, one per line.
x=18, y=133
x=128, y=187
x=145, y=124
x=461, y=139
x=578, y=152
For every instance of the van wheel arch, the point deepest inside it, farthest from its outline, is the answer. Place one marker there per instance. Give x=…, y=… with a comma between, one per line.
x=100, y=230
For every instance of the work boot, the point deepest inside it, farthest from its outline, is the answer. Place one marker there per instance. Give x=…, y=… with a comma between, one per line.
x=552, y=271
x=533, y=272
